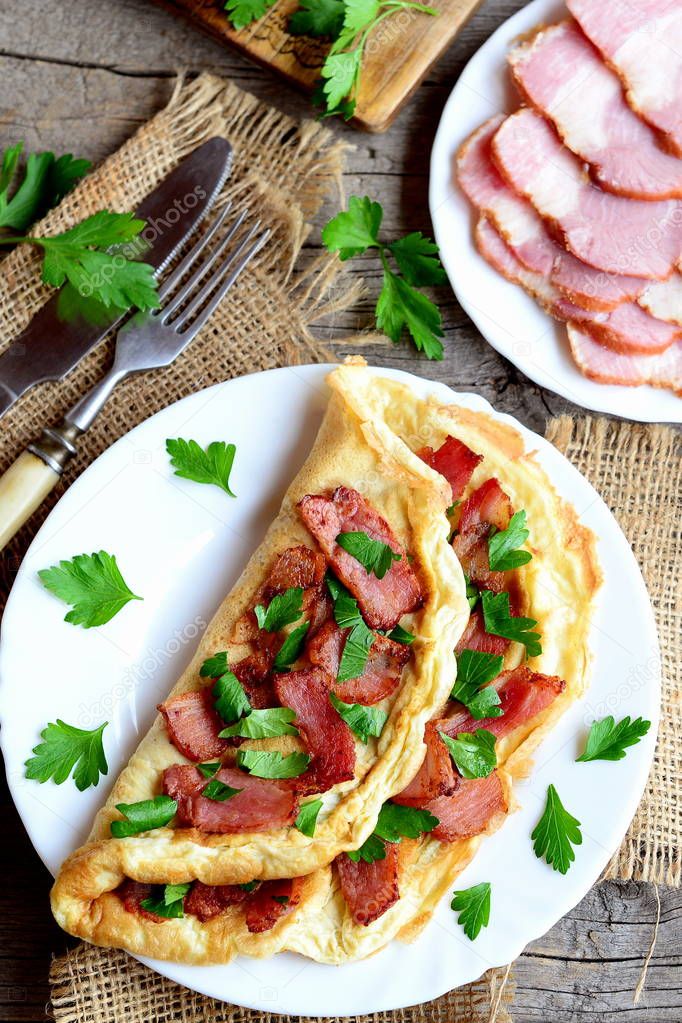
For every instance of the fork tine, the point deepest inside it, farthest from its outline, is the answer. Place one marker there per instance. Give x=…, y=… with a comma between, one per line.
x=184, y=265
x=201, y=271
x=201, y=296
x=219, y=295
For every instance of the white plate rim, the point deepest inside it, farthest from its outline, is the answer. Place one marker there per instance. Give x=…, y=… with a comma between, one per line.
x=317, y=1004
x=453, y=218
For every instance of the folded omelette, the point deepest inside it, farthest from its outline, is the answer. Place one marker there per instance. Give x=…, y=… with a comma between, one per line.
x=298, y=790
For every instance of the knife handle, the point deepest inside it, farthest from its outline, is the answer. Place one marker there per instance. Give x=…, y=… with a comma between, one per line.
x=28, y=481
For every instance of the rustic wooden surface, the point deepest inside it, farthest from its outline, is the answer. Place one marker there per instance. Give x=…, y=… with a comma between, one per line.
x=81, y=76
x=396, y=58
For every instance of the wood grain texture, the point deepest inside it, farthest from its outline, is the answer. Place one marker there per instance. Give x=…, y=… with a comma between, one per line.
x=397, y=55
x=81, y=76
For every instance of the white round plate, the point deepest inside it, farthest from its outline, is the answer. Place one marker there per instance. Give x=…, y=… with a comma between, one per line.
x=181, y=546
x=507, y=317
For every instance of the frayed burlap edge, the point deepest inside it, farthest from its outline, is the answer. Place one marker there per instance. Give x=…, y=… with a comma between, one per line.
x=638, y=471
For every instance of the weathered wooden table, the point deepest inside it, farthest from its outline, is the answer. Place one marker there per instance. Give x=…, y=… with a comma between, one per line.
x=80, y=77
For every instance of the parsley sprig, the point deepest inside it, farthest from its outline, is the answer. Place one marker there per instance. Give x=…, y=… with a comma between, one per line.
x=394, y=823
x=360, y=638
x=307, y=817
x=473, y=752
x=44, y=180
x=263, y=724
x=556, y=833
x=284, y=609
x=210, y=465
x=498, y=620
x=608, y=741
x=242, y=12
x=171, y=903
x=92, y=584
x=374, y=556
x=92, y=257
x=503, y=553
x=364, y=721
x=271, y=764
x=145, y=815
x=475, y=670
x=64, y=749
x=473, y=906
x=400, y=304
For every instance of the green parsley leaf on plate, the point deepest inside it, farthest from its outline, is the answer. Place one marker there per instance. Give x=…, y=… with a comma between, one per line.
x=307, y=817
x=242, y=12
x=472, y=752
x=92, y=584
x=271, y=763
x=373, y=555
x=284, y=609
x=400, y=635
x=503, y=554
x=263, y=724
x=608, y=741
x=317, y=18
x=475, y=669
x=396, y=822
x=291, y=648
x=231, y=701
x=64, y=749
x=364, y=721
x=212, y=465
x=218, y=791
x=556, y=833
x=215, y=666
x=171, y=904
x=473, y=906
x=144, y=815
x=498, y=621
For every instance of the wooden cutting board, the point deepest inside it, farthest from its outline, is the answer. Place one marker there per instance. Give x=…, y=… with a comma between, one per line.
x=397, y=55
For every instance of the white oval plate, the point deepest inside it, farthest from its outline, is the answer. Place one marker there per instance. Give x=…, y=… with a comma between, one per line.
x=509, y=319
x=181, y=546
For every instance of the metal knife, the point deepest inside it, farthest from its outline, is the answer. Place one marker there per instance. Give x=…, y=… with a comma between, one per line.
x=51, y=347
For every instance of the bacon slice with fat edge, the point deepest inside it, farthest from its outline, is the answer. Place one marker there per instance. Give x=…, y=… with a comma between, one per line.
x=607, y=367
x=436, y=776
x=453, y=460
x=294, y=567
x=642, y=41
x=369, y=889
x=383, y=669
x=560, y=73
x=382, y=602
x=327, y=737
x=525, y=233
x=617, y=235
x=469, y=810
x=193, y=725
x=261, y=804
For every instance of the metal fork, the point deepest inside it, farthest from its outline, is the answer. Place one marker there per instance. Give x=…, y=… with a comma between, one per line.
x=146, y=341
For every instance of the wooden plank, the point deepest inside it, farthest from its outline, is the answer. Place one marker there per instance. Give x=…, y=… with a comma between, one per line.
x=397, y=54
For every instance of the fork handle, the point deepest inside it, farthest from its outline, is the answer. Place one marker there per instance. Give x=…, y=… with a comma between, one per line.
x=28, y=481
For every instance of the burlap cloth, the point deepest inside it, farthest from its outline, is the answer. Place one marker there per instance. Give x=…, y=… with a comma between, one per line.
x=286, y=169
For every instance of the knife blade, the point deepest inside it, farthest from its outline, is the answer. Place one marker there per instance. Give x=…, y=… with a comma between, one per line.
x=49, y=347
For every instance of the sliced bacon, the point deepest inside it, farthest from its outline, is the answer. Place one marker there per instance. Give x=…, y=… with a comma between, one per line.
x=271, y=901
x=629, y=329
x=606, y=231
x=487, y=506
x=132, y=894
x=436, y=776
x=208, y=900
x=475, y=637
x=563, y=76
x=642, y=41
x=523, y=694
x=369, y=888
x=259, y=806
x=469, y=810
x=193, y=725
x=663, y=299
x=383, y=602
x=327, y=737
x=453, y=460
x=527, y=236
x=607, y=367
x=381, y=676
x=255, y=672
x=294, y=567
